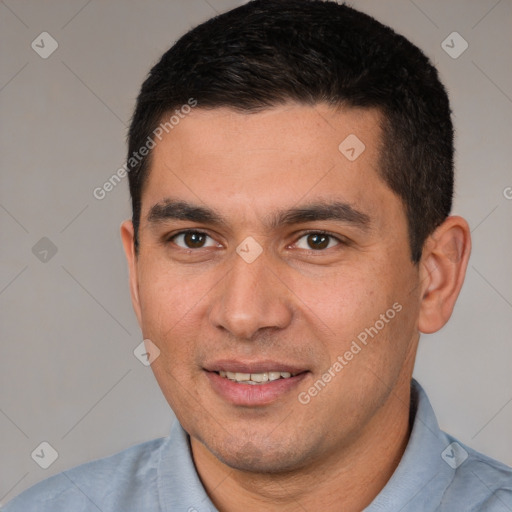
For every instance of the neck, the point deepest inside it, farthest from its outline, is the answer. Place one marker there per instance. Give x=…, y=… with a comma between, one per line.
x=353, y=475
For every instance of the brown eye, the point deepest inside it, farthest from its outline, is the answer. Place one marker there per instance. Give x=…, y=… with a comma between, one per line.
x=317, y=241
x=193, y=240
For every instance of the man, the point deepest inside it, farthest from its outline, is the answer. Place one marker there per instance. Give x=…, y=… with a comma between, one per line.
x=291, y=175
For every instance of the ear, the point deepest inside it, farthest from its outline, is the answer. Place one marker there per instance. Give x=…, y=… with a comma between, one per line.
x=127, y=236
x=442, y=269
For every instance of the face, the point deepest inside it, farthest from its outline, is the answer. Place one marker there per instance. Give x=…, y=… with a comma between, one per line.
x=269, y=253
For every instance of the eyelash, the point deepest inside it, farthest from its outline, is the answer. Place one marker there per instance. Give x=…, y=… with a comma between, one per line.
x=341, y=241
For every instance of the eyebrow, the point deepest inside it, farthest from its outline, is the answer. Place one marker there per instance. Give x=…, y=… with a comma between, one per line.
x=339, y=211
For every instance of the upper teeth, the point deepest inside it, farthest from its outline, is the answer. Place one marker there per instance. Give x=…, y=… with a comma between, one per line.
x=255, y=378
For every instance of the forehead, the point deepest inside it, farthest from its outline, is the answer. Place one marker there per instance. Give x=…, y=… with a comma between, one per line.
x=271, y=159
x=294, y=128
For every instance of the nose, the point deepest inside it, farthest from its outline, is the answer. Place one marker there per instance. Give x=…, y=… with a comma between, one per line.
x=251, y=298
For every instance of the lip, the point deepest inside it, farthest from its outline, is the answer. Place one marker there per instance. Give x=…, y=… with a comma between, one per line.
x=253, y=395
x=231, y=365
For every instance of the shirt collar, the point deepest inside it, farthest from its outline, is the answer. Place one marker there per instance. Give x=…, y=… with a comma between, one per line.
x=422, y=476
x=179, y=485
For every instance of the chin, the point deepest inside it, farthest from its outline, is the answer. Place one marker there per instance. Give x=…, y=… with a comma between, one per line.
x=261, y=457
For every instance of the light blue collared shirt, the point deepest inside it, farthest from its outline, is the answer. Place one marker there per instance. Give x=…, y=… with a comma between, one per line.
x=436, y=473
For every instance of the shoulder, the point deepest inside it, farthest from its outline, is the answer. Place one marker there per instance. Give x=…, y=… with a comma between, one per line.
x=438, y=472
x=478, y=481
x=124, y=481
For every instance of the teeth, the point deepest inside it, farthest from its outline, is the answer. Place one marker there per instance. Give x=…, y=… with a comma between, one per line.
x=259, y=377
x=255, y=378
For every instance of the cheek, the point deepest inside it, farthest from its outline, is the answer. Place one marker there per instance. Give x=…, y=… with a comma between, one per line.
x=171, y=303
x=369, y=306
x=343, y=300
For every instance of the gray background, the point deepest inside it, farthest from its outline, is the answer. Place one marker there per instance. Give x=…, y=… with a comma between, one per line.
x=68, y=375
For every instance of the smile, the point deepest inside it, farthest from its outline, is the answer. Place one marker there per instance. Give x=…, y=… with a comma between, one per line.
x=255, y=378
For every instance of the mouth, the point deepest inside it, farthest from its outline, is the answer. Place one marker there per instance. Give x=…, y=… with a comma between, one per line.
x=256, y=378
x=255, y=383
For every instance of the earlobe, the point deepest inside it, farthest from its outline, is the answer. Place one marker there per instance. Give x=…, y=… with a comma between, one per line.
x=127, y=237
x=443, y=267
